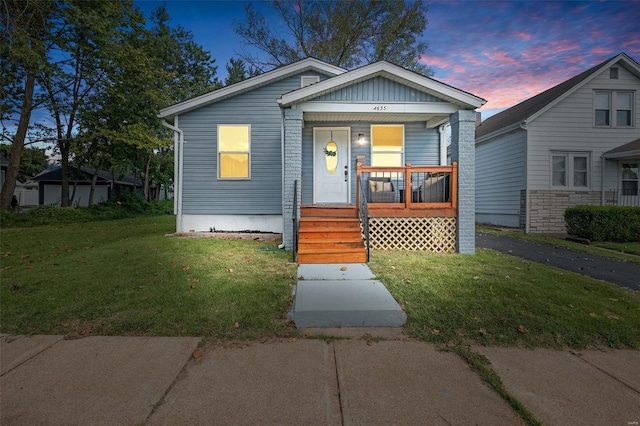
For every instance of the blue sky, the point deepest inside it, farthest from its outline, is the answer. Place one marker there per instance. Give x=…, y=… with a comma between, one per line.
x=503, y=51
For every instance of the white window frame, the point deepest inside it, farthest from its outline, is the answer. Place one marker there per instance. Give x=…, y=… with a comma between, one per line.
x=248, y=152
x=402, y=153
x=569, y=170
x=613, y=108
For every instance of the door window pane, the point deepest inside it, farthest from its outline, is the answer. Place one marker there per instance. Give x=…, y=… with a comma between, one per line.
x=331, y=157
x=630, y=179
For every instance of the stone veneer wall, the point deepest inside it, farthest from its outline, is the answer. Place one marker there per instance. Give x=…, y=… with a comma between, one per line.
x=463, y=151
x=547, y=208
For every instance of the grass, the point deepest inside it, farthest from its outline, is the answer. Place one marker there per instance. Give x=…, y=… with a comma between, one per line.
x=495, y=299
x=125, y=277
x=626, y=252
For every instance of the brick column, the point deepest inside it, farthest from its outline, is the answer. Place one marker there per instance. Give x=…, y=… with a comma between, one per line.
x=292, y=169
x=463, y=150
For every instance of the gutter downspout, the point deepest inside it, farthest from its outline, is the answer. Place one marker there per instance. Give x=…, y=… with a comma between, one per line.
x=281, y=246
x=178, y=164
x=527, y=203
x=602, y=181
x=443, y=145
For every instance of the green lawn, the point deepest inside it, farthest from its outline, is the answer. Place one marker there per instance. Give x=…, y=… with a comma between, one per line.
x=126, y=277
x=495, y=299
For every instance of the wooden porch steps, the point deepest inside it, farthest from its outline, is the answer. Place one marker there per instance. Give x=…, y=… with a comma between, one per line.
x=330, y=235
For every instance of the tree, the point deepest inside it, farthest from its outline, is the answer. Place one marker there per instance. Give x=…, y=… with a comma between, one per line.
x=23, y=46
x=32, y=161
x=236, y=72
x=347, y=34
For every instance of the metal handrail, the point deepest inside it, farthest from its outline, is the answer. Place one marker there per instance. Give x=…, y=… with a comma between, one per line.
x=363, y=211
x=295, y=221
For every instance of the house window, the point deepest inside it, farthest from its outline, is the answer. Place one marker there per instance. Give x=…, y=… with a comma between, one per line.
x=570, y=170
x=630, y=179
x=234, y=151
x=623, y=109
x=613, y=109
x=387, y=145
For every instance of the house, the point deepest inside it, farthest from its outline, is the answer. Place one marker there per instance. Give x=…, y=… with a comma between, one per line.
x=50, y=186
x=316, y=152
x=4, y=165
x=574, y=144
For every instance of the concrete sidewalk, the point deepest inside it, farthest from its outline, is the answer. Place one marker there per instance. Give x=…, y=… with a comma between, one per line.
x=157, y=380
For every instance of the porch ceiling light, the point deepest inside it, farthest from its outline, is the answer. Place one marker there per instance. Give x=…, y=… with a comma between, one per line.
x=361, y=139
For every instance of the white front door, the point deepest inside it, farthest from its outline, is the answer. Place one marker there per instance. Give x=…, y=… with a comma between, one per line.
x=331, y=173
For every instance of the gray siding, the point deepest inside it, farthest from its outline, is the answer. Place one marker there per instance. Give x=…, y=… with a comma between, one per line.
x=203, y=192
x=378, y=89
x=422, y=148
x=500, y=176
x=569, y=126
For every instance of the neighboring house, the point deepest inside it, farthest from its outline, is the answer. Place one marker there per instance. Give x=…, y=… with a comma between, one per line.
x=243, y=151
x=50, y=186
x=4, y=165
x=574, y=144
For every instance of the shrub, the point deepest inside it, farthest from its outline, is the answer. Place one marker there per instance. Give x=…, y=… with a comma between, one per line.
x=604, y=223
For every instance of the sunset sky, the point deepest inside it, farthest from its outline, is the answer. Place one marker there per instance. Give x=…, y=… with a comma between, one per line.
x=503, y=51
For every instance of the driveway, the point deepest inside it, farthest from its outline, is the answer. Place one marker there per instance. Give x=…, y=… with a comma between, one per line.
x=626, y=274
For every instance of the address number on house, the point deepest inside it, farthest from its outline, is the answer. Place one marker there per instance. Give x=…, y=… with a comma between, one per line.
x=380, y=108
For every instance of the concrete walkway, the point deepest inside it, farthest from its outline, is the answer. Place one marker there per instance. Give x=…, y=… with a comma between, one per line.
x=626, y=274
x=158, y=380
x=343, y=295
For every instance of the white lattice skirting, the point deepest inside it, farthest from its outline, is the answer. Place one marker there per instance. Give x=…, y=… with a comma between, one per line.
x=435, y=234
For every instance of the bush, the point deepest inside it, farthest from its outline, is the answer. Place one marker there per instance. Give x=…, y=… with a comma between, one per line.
x=604, y=223
x=124, y=206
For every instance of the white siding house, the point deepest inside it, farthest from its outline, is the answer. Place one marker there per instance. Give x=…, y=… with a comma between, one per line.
x=574, y=144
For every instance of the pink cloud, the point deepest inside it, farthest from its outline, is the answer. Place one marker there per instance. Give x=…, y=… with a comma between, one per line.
x=602, y=51
x=523, y=36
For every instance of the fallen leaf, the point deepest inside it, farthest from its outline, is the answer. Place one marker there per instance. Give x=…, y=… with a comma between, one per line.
x=612, y=316
x=291, y=339
x=435, y=332
x=195, y=280
x=230, y=271
x=236, y=324
x=593, y=315
x=344, y=268
x=522, y=329
x=483, y=332
x=65, y=323
x=476, y=277
x=186, y=268
x=614, y=300
x=197, y=353
x=87, y=331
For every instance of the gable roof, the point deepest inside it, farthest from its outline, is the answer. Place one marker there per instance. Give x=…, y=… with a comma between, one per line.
x=390, y=71
x=249, y=84
x=532, y=107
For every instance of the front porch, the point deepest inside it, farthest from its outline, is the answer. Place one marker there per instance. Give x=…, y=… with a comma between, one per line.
x=384, y=216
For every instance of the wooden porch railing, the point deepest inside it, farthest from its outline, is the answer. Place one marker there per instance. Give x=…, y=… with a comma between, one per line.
x=409, y=191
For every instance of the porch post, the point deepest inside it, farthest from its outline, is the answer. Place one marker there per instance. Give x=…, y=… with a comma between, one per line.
x=292, y=170
x=463, y=151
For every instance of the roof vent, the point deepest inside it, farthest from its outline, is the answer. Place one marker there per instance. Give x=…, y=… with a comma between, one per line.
x=309, y=79
x=613, y=73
